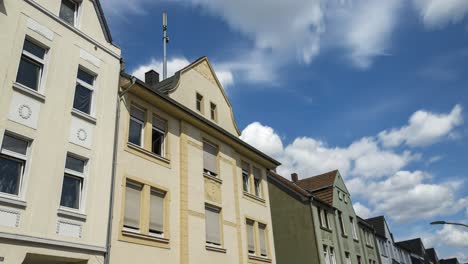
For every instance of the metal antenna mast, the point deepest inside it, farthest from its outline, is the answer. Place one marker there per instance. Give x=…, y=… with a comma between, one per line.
x=165, y=41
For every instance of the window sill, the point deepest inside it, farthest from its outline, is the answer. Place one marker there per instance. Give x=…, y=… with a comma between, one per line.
x=84, y=116
x=345, y=236
x=369, y=246
x=65, y=212
x=28, y=91
x=215, y=249
x=326, y=229
x=213, y=178
x=145, y=237
x=254, y=198
x=261, y=259
x=12, y=201
x=148, y=153
x=356, y=240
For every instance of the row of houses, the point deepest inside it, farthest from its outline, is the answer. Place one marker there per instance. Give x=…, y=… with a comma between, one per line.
x=97, y=166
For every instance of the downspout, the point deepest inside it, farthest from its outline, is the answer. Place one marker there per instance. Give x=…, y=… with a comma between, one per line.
x=114, y=171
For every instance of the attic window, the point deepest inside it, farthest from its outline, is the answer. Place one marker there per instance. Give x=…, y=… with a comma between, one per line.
x=213, y=112
x=199, y=102
x=69, y=12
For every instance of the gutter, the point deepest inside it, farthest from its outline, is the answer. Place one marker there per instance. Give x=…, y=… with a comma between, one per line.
x=114, y=170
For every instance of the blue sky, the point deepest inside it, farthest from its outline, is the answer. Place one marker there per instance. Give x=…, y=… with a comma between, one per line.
x=377, y=89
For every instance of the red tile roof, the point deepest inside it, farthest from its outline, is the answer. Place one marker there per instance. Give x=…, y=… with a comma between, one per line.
x=321, y=186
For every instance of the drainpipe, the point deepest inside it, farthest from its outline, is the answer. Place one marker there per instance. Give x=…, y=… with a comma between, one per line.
x=114, y=171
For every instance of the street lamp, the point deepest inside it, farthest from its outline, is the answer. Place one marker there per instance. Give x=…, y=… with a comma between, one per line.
x=447, y=223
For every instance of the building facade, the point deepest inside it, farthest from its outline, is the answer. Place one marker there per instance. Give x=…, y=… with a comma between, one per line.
x=316, y=208
x=416, y=249
x=187, y=189
x=58, y=79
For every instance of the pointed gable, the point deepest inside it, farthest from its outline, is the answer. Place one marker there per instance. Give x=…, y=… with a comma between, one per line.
x=200, y=78
x=321, y=186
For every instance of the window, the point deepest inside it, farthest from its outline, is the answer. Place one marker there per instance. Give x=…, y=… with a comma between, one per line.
x=144, y=211
x=321, y=217
x=359, y=260
x=13, y=156
x=199, y=102
x=69, y=11
x=325, y=255
x=158, y=136
x=343, y=229
x=250, y=237
x=210, y=159
x=340, y=195
x=156, y=213
x=332, y=255
x=137, y=125
x=347, y=258
x=84, y=91
x=31, y=66
x=262, y=237
x=132, y=206
x=246, y=176
x=327, y=220
x=212, y=225
x=72, y=186
x=345, y=198
x=213, y=113
x=257, y=182
x=353, y=228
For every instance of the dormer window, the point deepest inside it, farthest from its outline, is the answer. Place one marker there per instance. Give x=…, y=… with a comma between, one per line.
x=69, y=12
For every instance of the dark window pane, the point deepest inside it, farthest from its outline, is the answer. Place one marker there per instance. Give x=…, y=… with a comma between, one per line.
x=29, y=73
x=134, y=134
x=85, y=77
x=34, y=49
x=157, y=142
x=10, y=174
x=67, y=11
x=74, y=164
x=71, y=192
x=82, y=100
x=13, y=144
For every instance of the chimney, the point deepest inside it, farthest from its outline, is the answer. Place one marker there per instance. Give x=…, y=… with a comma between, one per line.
x=294, y=177
x=151, y=78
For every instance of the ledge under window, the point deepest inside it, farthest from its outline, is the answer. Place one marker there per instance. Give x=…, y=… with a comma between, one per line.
x=147, y=153
x=12, y=202
x=260, y=259
x=28, y=91
x=64, y=212
x=326, y=229
x=84, y=116
x=215, y=248
x=213, y=178
x=145, y=237
x=257, y=199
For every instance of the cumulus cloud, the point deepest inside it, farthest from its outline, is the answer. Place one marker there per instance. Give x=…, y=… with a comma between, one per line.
x=264, y=138
x=448, y=236
x=424, y=128
x=173, y=65
x=438, y=13
x=362, y=210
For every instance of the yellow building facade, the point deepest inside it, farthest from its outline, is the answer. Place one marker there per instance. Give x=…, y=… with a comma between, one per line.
x=187, y=189
x=59, y=73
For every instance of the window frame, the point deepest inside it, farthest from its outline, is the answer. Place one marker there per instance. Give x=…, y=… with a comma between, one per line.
x=76, y=174
x=24, y=158
x=213, y=112
x=42, y=63
x=326, y=255
x=353, y=228
x=141, y=122
x=91, y=88
x=257, y=252
x=218, y=210
x=332, y=255
x=163, y=132
x=199, y=100
x=343, y=227
x=76, y=13
x=247, y=174
x=163, y=194
x=205, y=170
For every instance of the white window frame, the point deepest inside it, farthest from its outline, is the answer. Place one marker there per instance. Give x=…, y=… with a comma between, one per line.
x=332, y=255
x=24, y=169
x=163, y=143
x=218, y=210
x=37, y=60
x=248, y=177
x=76, y=174
x=142, y=137
x=343, y=227
x=163, y=194
x=321, y=217
x=77, y=13
x=326, y=256
x=257, y=182
x=353, y=228
x=86, y=85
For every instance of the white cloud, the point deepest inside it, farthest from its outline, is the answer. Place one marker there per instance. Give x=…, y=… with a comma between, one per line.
x=424, y=128
x=408, y=196
x=438, y=13
x=362, y=210
x=173, y=65
x=263, y=138
x=448, y=236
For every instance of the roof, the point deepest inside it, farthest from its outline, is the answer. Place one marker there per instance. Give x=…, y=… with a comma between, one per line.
x=413, y=245
x=321, y=186
x=289, y=184
x=449, y=261
x=201, y=119
x=379, y=224
x=102, y=20
x=432, y=254
x=364, y=223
